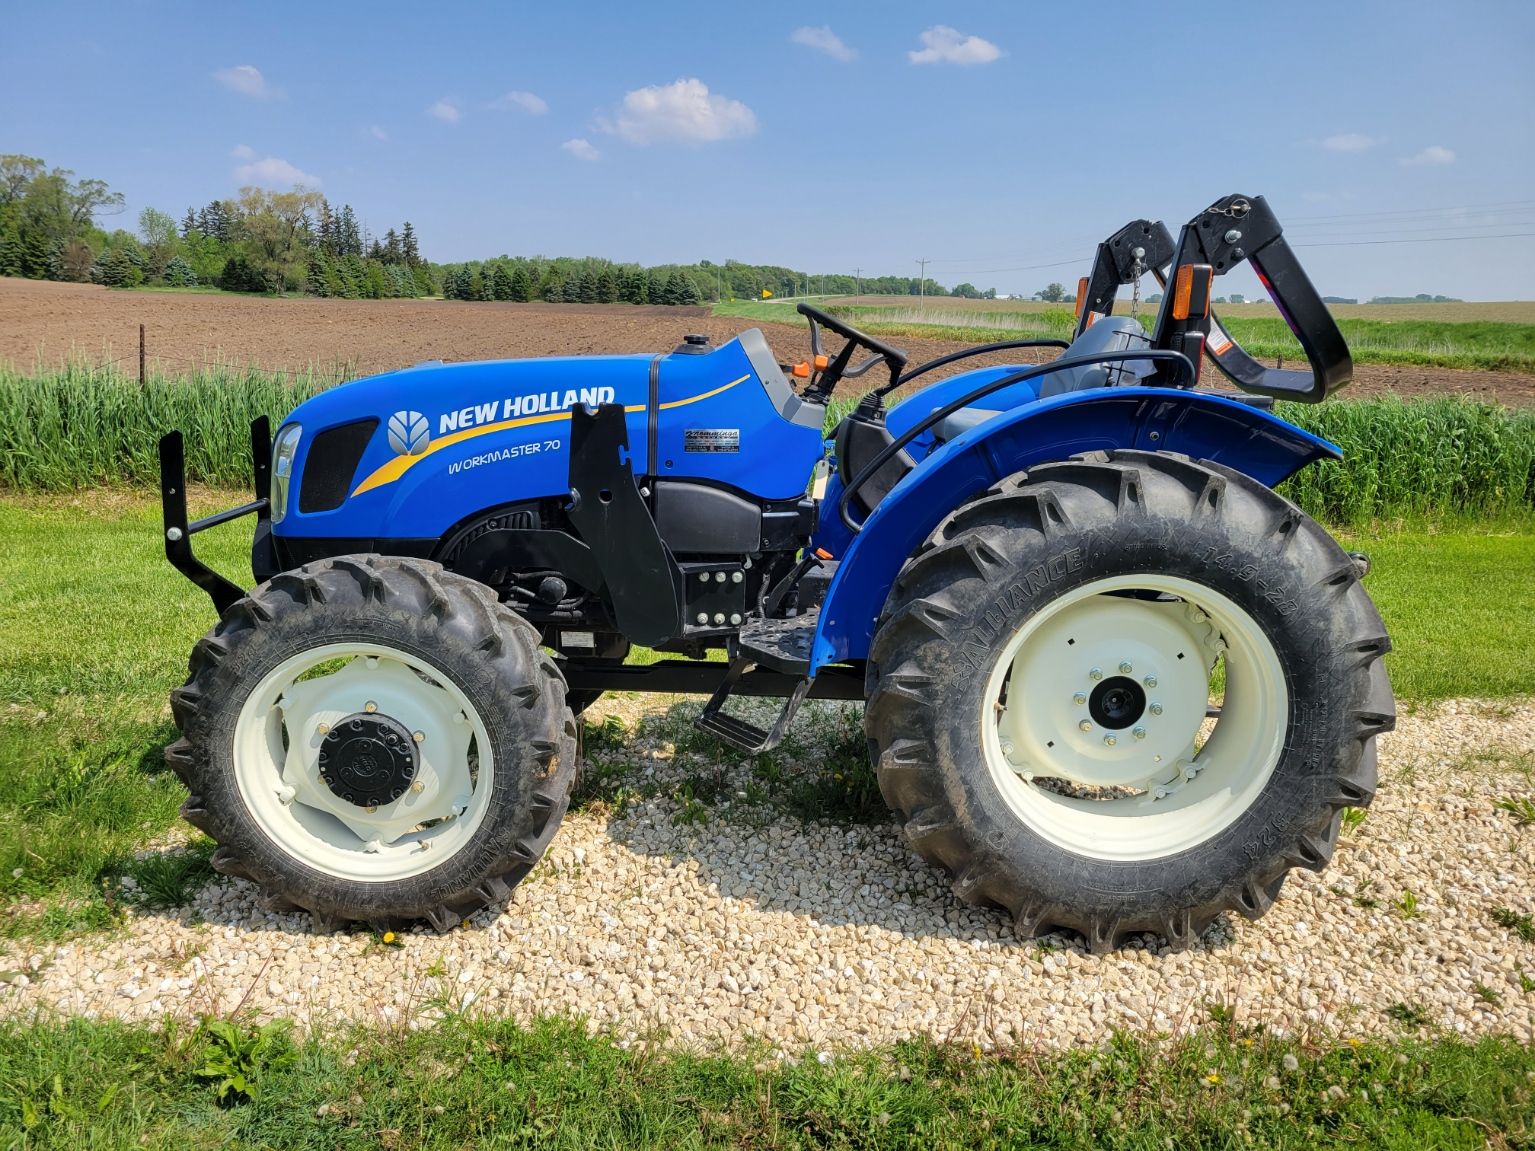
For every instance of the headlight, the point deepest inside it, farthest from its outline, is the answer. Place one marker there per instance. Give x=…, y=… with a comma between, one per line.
x=283, y=451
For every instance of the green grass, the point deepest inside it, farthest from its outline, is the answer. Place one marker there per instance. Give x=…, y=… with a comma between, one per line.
x=492, y=1085
x=95, y=628
x=1459, y=607
x=1468, y=344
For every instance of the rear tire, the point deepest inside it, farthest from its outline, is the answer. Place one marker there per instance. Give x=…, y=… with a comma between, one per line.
x=448, y=749
x=1069, y=803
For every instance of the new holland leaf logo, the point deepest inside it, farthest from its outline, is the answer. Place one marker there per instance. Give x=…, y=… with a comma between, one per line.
x=409, y=433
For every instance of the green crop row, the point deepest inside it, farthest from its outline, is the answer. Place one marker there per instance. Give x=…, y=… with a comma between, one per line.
x=81, y=427
x=1481, y=345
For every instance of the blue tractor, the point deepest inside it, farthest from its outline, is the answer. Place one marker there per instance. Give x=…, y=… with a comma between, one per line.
x=1113, y=681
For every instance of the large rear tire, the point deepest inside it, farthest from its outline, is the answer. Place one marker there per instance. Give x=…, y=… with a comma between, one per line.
x=1039, y=681
x=375, y=739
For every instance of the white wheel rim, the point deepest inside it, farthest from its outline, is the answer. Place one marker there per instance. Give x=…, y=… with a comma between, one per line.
x=1164, y=781
x=277, y=742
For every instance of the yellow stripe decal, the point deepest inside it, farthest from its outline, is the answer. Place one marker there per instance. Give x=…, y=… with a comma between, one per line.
x=397, y=467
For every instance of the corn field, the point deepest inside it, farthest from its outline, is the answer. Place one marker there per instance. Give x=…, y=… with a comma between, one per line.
x=82, y=427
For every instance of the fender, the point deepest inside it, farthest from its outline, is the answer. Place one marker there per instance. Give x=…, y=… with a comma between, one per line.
x=1196, y=424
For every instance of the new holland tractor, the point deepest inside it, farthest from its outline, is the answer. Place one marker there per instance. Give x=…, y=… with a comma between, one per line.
x=1113, y=681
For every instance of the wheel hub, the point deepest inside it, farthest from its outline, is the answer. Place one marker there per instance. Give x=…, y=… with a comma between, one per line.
x=1117, y=703
x=368, y=759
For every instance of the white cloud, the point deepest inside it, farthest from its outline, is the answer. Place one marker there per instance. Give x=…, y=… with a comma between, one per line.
x=378, y=133
x=242, y=151
x=823, y=40
x=1431, y=156
x=445, y=110
x=245, y=79
x=581, y=149
x=528, y=102
x=943, y=45
x=271, y=172
x=684, y=112
x=1349, y=142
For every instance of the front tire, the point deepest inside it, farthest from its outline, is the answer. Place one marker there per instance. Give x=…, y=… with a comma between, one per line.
x=375, y=739
x=1039, y=682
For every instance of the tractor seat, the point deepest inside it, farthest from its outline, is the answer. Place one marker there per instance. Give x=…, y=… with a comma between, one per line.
x=952, y=427
x=1110, y=334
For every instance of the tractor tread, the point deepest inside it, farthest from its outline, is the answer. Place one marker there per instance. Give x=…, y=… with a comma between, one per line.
x=933, y=602
x=467, y=618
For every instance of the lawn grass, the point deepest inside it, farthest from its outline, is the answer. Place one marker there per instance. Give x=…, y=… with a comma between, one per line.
x=495, y=1084
x=1460, y=608
x=95, y=628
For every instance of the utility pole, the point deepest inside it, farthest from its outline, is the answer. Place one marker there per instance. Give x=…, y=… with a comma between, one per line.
x=858, y=276
x=922, y=279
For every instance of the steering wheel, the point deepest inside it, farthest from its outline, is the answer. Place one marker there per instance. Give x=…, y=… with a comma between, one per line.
x=827, y=373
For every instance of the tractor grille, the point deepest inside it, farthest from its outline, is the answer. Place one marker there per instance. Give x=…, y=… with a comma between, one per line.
x=331, y=463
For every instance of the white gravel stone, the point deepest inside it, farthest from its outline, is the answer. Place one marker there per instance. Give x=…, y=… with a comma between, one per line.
x=818, y=936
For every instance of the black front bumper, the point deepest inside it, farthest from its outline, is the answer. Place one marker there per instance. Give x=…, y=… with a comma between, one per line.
x=178, y=531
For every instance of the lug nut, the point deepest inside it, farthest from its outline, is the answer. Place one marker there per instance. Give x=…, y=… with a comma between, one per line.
x=1085, y=725
x=323, y=728
x=417, y=787
x=1124, y=667
x=1007, y=748
x=371, y=808
x=1080, y=698
x=418, y=736
x=1155, y=709
x=1110, y=741
x=370, y=707
x=1140, y=733
x=1150, y=681
x=1232, y=236
x=1096, y=673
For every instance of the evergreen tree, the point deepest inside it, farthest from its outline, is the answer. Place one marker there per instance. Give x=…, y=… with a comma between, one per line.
x=687, y=290
x=501, y=284
x=655, y=287
x=348, y=237
x=188, y=222
x=408, y=246
x=675, y=288
x=522, y=285
x=631, y=287
x=553, y=286
x=607, y=285
x=178, y=273
x=588, y=289
x=120, y=270
x=463, y=283
x=317, y=282
x=390, y=252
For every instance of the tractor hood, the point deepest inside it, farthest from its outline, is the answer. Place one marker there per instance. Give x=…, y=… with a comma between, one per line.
x=410, y=454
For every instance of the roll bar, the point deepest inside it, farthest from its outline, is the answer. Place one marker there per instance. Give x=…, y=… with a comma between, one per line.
x=1233, y=229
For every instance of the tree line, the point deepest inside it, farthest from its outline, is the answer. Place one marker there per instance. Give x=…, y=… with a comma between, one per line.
x=52, y=227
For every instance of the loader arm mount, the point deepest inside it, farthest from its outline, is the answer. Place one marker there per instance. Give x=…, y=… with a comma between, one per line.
x=1237, y=228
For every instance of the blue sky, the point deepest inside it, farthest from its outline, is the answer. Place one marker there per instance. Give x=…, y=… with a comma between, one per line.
x=988, y=137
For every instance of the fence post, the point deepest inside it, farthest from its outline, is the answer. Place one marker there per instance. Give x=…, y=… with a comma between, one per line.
x=141, y=355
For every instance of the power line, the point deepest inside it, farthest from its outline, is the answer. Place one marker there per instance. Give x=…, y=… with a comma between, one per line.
x=1424, y=240
x=1410, y=211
